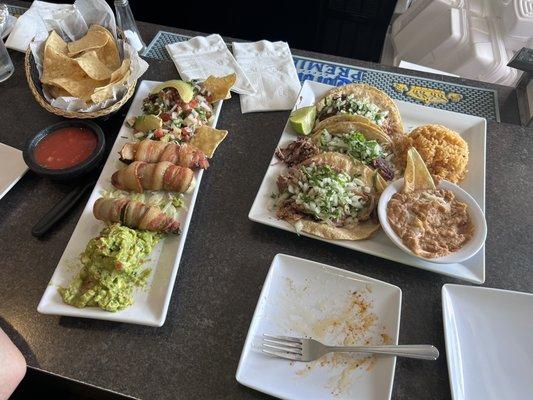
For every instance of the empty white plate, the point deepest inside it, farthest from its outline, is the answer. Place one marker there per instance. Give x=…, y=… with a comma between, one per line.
x=489, y=343
x=12, y=166
x=308, y=299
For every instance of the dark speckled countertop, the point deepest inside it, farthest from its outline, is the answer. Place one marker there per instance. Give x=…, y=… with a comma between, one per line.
x=226, y=258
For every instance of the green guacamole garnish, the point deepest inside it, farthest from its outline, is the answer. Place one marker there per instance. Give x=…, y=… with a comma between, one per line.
x=111, y=269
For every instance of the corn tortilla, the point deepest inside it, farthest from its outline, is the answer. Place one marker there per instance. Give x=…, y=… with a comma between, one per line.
x=357, y=231
x=379, y=98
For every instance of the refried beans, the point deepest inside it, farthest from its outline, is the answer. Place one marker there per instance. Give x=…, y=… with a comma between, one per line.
x=431, y=223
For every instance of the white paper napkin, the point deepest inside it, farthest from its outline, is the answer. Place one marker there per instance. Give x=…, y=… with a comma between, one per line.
x=32, y=24
x=270, y=67
x=201, y=56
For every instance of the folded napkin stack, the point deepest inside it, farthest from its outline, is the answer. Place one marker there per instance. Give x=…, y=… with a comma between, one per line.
x=200, y=57
x=270, y=68
x=266, y=76
x=31, y=25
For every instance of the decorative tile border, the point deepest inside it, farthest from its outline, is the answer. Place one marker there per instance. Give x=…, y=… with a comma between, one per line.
x=453, y=97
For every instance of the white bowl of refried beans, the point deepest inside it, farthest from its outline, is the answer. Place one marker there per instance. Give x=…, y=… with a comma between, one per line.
x=443, y=225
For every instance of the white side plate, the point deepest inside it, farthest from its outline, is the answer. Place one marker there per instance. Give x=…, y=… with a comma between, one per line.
x=472, y=129
x=150, y=305
x=301, y=297
x=488, y=342
x=12, y=166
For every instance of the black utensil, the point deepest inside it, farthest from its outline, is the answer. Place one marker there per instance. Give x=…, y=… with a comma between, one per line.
x=61, y=208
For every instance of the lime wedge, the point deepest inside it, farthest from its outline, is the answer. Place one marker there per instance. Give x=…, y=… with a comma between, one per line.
x=303, y=119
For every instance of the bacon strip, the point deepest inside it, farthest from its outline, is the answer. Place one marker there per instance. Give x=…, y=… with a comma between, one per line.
x=140, y=175
x=184, y=155
x=134, y=214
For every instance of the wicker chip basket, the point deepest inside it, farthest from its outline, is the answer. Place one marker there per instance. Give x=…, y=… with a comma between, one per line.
x=36, y=87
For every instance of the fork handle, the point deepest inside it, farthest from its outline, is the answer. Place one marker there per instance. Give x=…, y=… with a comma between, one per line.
x=420, y=351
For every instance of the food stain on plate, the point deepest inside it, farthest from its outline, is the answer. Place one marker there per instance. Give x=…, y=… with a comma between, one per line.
x=346, y=320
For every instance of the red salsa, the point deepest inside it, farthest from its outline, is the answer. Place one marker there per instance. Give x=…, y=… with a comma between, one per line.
x=65, y=147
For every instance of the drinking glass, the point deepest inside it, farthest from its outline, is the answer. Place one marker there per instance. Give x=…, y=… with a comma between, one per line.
x=126, y=23
x=6, y=65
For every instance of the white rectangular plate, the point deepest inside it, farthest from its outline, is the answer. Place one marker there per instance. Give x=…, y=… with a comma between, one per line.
x=12, y=166
x=472, y=129
x=303, y=298
x=150, y=305
x=488, y=342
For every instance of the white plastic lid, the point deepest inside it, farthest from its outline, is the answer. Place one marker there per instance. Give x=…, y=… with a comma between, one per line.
x=517, y=16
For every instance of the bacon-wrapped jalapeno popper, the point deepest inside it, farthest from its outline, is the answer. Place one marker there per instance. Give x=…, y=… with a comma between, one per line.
x=140, y=176
x=134, y=214
x=153, y=151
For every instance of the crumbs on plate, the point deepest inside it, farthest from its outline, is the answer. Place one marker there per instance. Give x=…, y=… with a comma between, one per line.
x=348, y=321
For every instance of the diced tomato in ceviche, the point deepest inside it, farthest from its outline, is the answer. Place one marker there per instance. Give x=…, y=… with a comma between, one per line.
x=179, y=119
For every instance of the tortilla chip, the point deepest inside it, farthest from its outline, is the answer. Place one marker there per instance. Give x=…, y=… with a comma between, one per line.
x=108, y=54
x=91, y=41
x=94, y=71
x=82, y=88
x=56, y=43
x=120, y=72
x=416, y=174
x=57, y=65
x=119, y=76
x=92, y=66
x=106, y=92
x=218, y=88
x=207, y=139
x=56, y=91
x=379, y=182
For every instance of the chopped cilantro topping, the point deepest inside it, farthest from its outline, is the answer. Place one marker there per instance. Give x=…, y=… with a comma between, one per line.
x=328, y=195
x=354, y=144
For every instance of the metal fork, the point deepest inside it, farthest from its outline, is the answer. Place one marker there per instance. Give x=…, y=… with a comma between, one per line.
x=299, y=349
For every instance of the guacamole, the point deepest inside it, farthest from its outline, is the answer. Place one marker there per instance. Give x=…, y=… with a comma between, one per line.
x=111, y=269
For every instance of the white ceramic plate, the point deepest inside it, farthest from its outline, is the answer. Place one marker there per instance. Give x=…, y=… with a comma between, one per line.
x=476, y=215
x=472, y=129
x=488, y=342
x=305, y=298
x=12, y=166
x=150, y=305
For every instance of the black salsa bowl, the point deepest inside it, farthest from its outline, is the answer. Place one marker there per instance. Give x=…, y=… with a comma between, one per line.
x=75, y=171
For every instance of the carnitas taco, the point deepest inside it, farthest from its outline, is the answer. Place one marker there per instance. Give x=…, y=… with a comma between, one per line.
x=358, y=139
x=362, y=141
x=360, y=99
x=329, y=195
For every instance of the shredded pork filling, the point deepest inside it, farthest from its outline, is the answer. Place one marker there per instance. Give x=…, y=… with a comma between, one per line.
x=297, y=151
x=324, y=194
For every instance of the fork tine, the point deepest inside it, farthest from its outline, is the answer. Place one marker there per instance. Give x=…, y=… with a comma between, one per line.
x=283, y=338
x=288, y=356
x=284, y=343
x=290, y=350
